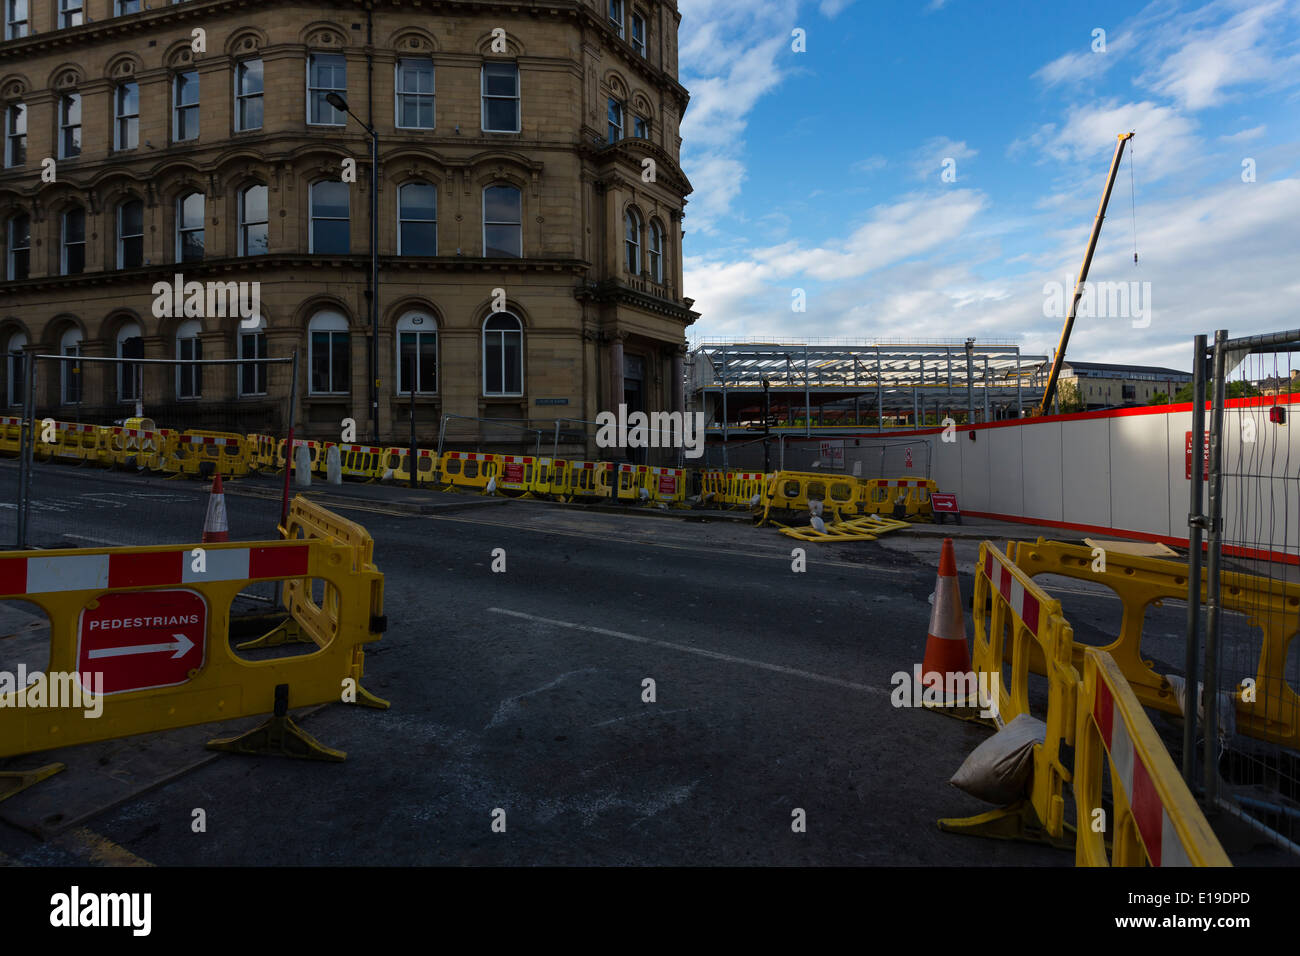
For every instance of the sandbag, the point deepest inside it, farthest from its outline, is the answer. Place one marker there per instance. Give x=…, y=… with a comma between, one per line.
x=1000, y=769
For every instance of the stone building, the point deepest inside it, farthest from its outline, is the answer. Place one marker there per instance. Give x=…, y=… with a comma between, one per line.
x=529, y=199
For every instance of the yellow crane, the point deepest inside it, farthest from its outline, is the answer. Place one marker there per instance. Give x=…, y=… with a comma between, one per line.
x=1048, y=392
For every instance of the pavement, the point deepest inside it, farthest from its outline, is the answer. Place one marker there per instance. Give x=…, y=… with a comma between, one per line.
x=627, y=690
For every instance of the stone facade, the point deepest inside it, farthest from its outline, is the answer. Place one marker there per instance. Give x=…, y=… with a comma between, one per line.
x=593, y=332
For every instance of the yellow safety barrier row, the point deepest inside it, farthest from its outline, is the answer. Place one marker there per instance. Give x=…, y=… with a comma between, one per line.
x=1019, y=628
x=11, y=434
x=589, y=480
x=517, y=474
x=205, y=453
x=1271, y=605
x=884, y=495
x=314, y=454
x=665, y=485
x=145, y=631
x=468, y=469
x=1155, y=821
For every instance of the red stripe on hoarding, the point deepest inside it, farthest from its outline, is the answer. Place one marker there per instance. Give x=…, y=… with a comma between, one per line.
x=142, y=570
x=1147, y=810
x=13, y=575
x=277, y=562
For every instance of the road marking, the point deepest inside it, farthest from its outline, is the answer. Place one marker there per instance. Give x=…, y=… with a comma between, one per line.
x=713, y=655
x=100, y=851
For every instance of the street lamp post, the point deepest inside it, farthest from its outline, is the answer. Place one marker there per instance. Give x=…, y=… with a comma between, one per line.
x=339, y=103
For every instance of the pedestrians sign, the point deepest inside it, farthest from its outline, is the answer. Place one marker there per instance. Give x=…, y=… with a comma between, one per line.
x=143, y=640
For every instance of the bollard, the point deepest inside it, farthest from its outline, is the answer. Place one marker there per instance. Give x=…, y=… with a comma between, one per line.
x=333, y=466
x=302, y=467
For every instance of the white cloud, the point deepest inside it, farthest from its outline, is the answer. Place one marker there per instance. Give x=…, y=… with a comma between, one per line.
x=928, y=161
x=1165, y=136
x=870, y=165
x=833, y=8
x=1245, y=136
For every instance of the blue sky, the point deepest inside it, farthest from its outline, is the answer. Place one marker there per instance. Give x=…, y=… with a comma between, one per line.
x=822, y=170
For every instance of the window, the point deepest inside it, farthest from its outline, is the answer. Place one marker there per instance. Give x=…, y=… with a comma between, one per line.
x=126, y=112
x=189, y=228
x=500, y=98
x=1129, y=392
x=70, y=126
x=417, y=215
x=123, y=7
x=70, y=372
x=130, y=234
x=185, y=106
x=129, y=346
x=330, y=227
x=638, y=33
x=632, y=241
x=71, y=13
x=615, y=120
x=20, y=246
x=248, y=95
x=252, y=345
x=503, y=355
x=656, y=252
x=254, y=237
x=330, y=353
x=417, y=354
x=189, y=347
x=15, y=19
x=16, y=368
x=72, y=258
x=616, y=15
x=414, y=94
x=326, y=73
x=502, y=222
x=16, y=134
x=640, y=127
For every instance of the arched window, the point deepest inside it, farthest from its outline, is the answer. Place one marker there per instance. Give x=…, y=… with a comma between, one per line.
x=20, y=246
x=189, y=347
x=329, y=354
x=417, y=220
x=15, y=368
x=330, y=229
x=656, y=252
x=632, y=241
x=70, y=373
x=253, y=230
x=189, y=228
x=503, y=355
x=252, y=345
x=72, y=245
x=417, y=354
x=129, y=345
x=130, y=234
x=503, y=230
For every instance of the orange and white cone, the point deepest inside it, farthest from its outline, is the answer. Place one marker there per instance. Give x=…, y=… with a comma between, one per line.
x=215, y=526
x=945, y=648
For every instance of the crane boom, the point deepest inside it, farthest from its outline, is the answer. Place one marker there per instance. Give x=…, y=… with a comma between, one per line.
x=1048, y=392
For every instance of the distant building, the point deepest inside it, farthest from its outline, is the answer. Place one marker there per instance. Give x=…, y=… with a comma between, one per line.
x=1103, y=385
x=1279, y=384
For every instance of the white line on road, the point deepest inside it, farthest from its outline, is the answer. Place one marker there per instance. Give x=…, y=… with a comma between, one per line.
x=715, y=655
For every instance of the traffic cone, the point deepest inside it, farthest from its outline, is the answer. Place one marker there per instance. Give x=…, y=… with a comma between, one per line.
x=945, y=648
x=215, y=527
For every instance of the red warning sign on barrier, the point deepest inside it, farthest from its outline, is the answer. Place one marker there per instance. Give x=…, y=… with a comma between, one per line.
x=143, y=640
x=1205, y=457
x=668, y=484
x=944, y=503
x=514, y=472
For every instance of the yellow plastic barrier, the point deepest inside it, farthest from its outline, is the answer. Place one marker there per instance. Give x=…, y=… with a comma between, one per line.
x=713, y=488
x=204, y=453
x=1154, y=819
x=72, y=442
x=665, y=485
x=551, y=478
x=468, y=469
x=362, y=461
x=516, y=474
x=11, y=434
x=398, y=461
x=589, y=480
x=885, y=494
x=628, y=482
x=261, y=451
x=136, y=448
x=793, y=490
x=742, y=486
x=147, y=629
x=1014, y=618
x=314, y=453
x=1272, y=605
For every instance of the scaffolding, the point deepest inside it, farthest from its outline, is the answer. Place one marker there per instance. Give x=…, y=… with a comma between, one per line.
x=848, y=384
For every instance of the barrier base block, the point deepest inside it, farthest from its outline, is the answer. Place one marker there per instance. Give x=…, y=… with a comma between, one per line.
x=963, y=711
x=16, y=781
x=279, y=737
x=1017, y=822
